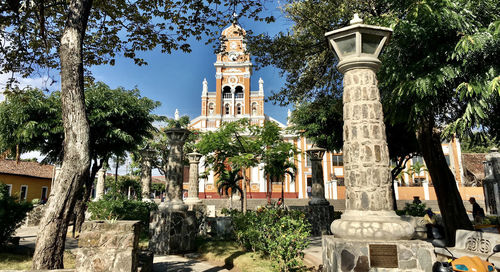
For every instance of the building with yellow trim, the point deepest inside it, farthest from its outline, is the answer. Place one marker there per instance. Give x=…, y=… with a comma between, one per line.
x=26, y=180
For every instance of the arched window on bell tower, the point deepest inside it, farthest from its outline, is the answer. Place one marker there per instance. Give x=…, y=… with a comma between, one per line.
x=226, y=93
x=211, y=109
x=239, y=109
x=238, y=93
x=227, y=109
x=254, y=108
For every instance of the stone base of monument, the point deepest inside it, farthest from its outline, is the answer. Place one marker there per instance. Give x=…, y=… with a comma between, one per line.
x=108, y=246
x=319, y=216
x=376, y=255
x=192, y=201
x=172, y=230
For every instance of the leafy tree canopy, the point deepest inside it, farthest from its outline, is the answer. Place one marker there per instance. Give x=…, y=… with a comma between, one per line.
x=31, y=32
x=119, y=120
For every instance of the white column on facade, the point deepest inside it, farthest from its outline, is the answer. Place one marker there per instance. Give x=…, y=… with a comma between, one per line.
x=426, y=189
x=262, y=178
x=396, y=190
x=325, y=173
x=334, y=189
x=459, y=157
x=202, y=170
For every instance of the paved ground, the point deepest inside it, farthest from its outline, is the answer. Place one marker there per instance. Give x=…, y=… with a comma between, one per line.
x=174, y=263
x=28, y=238
x=313, y=253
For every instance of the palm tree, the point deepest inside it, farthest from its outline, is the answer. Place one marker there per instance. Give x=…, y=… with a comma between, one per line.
x=416, y=168
x=229, y=180
x=276, y=169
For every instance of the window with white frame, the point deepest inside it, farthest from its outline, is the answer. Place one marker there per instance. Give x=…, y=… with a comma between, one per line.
x=24, y=192
x=45, y=191
x=9, y=189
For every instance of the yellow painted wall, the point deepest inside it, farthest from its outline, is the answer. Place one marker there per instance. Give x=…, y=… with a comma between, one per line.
x=34, y=185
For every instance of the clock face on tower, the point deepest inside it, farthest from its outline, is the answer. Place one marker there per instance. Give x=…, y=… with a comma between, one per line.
x=233, y=56
x=234, y=45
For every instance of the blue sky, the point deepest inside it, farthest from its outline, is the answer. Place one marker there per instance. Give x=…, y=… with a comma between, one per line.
x=176, y=79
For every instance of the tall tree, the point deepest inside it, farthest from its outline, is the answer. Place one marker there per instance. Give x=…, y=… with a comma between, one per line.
x=119, y=120
x=66, y=35
x=439, y=72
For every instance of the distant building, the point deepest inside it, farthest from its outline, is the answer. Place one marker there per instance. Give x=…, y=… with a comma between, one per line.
x=234, y=99
x=27, y=180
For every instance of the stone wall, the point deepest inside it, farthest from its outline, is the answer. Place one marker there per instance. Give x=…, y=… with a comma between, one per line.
x=320, y=217
x=108, y=246
x=34, y=216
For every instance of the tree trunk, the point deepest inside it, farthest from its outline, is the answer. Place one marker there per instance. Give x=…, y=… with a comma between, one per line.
x=449, y=199
x=81, y=204
x=49, y=249
x=244, y=196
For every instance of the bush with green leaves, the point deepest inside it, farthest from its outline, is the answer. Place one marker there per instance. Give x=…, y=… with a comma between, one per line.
x=414, y=209
x=122, y=209
x=12, y=213
x=280, y=233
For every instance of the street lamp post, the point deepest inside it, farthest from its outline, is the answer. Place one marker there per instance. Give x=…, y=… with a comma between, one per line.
x=369, y=213
x=146, y=156
x=316, y=154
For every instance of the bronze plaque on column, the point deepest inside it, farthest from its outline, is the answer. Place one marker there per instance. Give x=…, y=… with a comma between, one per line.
x=385, y=256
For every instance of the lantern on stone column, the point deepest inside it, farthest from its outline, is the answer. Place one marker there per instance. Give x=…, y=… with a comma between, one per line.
x=358, y=45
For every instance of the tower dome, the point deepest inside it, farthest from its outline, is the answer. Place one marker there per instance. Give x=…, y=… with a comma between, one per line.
x=234, y=31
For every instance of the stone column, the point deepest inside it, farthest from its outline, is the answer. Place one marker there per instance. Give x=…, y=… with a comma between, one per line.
x=99, y=188
x=368, y=213
x=175, y=168
x=491, y=181
x=146, y=154
x=194, y=161
x=315, y=154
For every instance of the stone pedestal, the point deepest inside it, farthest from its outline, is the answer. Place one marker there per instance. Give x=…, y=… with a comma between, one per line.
x=491, y=183
x=172, y=230
x=146, y=154
x=107, y=246
x=319, y=216
x=174, y=173
x=194, y=160
x=375, y=255
x=99, y=188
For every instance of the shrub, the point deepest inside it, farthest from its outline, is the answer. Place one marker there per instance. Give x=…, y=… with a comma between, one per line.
x=12, y=213
x=277, y=232
x=122, y=209
x=415, y=209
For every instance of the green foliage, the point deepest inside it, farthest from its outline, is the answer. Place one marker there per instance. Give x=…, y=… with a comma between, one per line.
x=477, y=144
x=120, y=188
x=113, y=29
x=12, y=213
x=119, y=120
x=279, y=233
x=122, y=209
x=414, y=209
x=229, y=180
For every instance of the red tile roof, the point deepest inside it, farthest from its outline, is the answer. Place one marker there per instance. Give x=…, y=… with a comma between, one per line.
x=473, y=162
x=24, y=168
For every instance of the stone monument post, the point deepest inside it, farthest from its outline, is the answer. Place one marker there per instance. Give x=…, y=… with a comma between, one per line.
x=369, y=236
x=315, y=154
x=175, y=168
x=99, y=188
x=369, y=213
x=491, y=183
x=194, y=161
x=173, y=228
x=147, y=155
